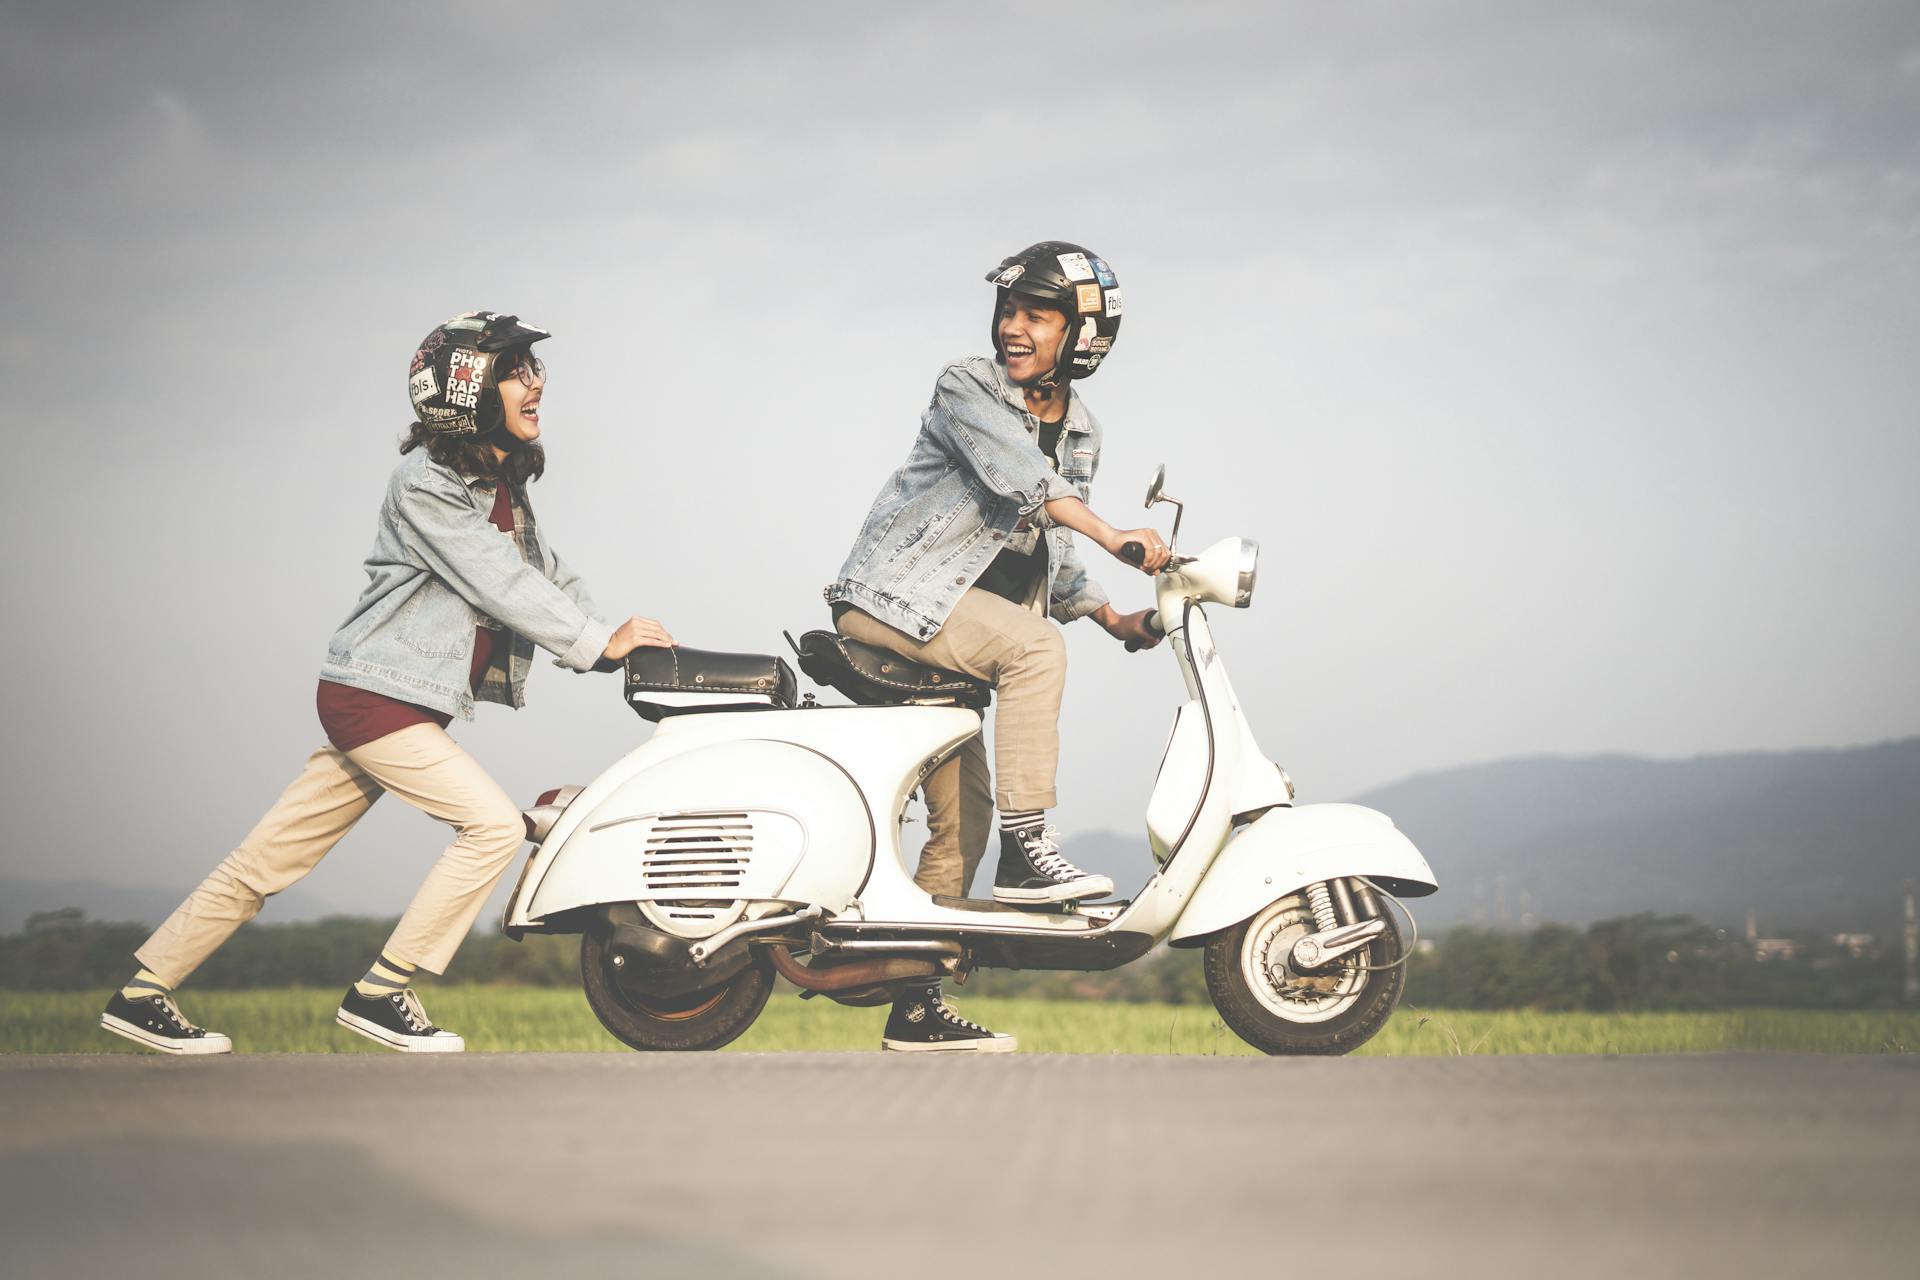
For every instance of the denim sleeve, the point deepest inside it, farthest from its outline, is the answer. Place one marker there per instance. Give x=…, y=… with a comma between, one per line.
x=455, y=542
x=562, y=576
x=980, y=431
x=1073, y=594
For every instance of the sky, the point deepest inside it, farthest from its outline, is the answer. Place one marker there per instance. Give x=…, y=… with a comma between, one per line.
x=1558, y=356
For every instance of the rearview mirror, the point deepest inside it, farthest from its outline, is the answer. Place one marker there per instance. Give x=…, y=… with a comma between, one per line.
x=1159, y=479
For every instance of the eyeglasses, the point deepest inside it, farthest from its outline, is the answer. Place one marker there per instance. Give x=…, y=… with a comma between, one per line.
x=522, y=364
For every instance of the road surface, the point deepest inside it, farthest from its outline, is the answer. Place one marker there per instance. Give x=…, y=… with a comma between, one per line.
x=816, y=1165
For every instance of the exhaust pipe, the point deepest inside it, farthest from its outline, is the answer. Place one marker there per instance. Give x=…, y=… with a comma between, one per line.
x=848, y=977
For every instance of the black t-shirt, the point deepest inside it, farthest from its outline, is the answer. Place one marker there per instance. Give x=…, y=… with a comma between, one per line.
x=1013, y=573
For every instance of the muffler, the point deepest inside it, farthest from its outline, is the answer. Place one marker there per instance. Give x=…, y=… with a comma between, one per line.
x=852, y=976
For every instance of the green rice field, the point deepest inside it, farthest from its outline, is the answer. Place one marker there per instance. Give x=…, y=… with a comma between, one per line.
x=552, y=1020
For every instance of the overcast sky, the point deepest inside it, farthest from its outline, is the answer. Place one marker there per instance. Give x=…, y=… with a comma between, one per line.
x=1561, y=358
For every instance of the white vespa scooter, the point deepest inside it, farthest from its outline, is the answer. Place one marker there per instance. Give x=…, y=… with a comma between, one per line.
x=750, y=836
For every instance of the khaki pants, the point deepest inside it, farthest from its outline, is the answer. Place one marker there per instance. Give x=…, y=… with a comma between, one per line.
x=1025, y=657
x=421, y=765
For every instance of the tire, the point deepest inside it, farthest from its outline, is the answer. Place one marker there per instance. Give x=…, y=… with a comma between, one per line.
x=704, y=1020
x=1328, y=1024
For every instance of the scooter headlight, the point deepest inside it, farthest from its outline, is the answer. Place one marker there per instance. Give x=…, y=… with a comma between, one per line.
x=1249, y=569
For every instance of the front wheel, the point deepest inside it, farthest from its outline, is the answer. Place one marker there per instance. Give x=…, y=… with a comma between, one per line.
x=1332, y=1010
x=703, y=1019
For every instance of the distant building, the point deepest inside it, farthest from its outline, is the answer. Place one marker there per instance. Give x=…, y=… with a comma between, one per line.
x=1854, y=944
x=1772, y=949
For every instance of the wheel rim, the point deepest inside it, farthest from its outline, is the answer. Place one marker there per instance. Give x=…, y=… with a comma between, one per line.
x=1265, y=964
x=661, y=1008
x=680, y=1010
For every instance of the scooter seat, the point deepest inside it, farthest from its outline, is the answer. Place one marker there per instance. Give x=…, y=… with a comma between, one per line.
x=874, y=677
x=676, y=681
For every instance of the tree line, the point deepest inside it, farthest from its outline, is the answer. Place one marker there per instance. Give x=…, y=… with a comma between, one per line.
x=1639, y=962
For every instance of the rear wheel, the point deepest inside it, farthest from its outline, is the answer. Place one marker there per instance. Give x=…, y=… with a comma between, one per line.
x=704, y=1019
x=1331, y=1010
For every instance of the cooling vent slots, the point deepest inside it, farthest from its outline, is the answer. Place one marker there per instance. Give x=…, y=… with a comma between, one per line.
x=698, y=856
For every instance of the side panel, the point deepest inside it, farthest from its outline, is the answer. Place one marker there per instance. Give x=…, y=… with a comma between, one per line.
x=1290, y=848
x=810, y=841
x=1183, y=771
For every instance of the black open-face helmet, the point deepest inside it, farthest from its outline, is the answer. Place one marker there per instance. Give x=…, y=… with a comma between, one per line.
x=1069, y=278
x=451, y=379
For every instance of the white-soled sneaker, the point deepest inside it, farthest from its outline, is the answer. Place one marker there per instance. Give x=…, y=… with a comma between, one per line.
x=924, y=1022
x=156, y=1022
x=1032, y=870
x=398, y=1021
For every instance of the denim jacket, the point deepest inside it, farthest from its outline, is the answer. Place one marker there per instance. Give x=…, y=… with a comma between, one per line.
x=974, y=484
x=438, y=568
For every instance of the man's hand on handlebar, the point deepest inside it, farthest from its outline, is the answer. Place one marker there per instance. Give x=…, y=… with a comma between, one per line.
x=636, y=633
x=1151, y=552
x=1135, y=630
x=1145, y=549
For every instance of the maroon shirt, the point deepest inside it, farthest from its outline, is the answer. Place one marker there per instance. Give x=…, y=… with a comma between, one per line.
x=353, y=717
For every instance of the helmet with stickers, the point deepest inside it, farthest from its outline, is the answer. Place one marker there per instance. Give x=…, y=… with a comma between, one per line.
x=1069, y=278
x=451, y=379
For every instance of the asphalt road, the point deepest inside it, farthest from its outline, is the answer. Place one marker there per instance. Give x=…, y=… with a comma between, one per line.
x=863, y=1164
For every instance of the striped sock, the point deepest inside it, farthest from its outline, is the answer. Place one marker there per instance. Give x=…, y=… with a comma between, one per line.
x=1022, y=819
x=386, y=977
x=145, y=985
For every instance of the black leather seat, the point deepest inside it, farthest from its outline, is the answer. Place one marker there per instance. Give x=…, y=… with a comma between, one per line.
x=677, y=681
x=874, y=677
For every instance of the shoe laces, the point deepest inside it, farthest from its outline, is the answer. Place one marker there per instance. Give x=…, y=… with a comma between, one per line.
x=166, y=1005
x=407, y=1001
x=1044, y=853
x=949, y=1015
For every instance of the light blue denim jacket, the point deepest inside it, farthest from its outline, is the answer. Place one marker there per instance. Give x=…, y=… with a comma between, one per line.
x=974, y=484
x=438, y=568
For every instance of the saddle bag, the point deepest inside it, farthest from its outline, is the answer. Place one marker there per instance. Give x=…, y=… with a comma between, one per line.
x=664, y=682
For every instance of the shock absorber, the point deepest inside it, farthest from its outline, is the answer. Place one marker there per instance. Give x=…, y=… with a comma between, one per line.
x=1320, y=898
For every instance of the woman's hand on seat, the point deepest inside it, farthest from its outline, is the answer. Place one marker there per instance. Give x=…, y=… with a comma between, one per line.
x=636, y=633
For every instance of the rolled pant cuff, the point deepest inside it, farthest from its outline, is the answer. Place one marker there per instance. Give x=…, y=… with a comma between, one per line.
x=1024, y=801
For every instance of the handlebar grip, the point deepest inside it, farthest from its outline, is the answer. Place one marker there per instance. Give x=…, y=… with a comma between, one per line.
x=1153, y=625
x=1133, y=552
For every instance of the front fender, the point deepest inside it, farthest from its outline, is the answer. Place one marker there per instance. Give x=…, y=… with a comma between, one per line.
x=1286, y=849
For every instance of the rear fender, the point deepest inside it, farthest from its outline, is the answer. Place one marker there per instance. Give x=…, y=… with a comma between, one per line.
x=1287, y=849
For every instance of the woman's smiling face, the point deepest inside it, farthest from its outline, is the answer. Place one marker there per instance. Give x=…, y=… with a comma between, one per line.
x=521, y=387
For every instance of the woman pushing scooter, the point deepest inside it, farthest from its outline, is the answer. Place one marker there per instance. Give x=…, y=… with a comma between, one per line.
x=461, y=588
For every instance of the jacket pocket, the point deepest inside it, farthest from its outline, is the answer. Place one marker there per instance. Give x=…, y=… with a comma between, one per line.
x=435, y=629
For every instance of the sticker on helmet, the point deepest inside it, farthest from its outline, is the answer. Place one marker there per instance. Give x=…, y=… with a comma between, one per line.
x=466, y=371
x=1103, y=273
x=1100, y=345
x=1087, y=298
x=1113, y=302
x=1088, y=327
x=1008, y=276
x=423, y=386
x=1075, y=266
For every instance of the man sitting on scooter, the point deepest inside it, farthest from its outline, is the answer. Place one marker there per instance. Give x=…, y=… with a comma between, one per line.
x=965, y=554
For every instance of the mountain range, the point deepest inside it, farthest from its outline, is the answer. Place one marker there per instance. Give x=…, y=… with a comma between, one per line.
x=1816, y=840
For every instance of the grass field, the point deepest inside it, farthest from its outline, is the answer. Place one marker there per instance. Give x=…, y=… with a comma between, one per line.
x=545, y=1019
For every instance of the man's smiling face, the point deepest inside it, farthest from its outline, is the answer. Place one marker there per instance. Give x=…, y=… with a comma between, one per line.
x=1030, y=338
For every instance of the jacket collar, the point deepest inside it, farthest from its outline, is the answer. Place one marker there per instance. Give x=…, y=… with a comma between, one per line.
x=1076, y=420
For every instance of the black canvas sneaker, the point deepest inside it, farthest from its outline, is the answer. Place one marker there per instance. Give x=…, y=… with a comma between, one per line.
x=1032, y=870
x=156, y=1022
x=397, y=1020
x=924, y=1023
